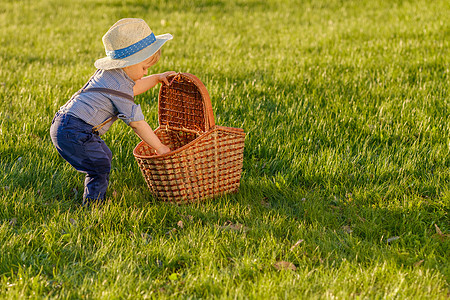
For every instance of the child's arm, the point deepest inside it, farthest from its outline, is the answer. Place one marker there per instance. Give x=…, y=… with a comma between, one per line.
x=142, y=129
x=145, y=132
x=146, y=83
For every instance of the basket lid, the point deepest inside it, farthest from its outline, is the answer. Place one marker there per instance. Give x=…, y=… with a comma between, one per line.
x=185, y=104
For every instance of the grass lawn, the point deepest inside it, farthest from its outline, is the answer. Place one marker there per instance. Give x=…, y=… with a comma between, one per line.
x=345, y=191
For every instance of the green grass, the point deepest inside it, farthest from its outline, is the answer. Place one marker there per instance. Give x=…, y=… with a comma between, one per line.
x=346, y=109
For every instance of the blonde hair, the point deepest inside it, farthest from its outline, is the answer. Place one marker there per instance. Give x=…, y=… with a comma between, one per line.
x=156, y=56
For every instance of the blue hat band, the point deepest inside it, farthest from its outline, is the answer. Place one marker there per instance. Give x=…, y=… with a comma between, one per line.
x=132, y=49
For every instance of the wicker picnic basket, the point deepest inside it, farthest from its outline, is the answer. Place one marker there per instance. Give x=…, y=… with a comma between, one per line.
x=205, y=160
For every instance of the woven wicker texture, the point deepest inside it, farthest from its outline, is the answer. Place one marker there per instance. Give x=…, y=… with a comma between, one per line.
x=205, y=161
x=185, y=103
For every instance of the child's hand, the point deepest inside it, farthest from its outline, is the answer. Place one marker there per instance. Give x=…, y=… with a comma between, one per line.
x=163, y=76
x=147, y=82
x=145, y=132
x=162, y=150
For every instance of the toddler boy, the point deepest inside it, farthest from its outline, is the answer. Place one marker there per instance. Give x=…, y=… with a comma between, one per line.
x=131, y=48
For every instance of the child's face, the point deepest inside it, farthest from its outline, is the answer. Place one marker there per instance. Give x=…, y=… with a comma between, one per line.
x=139, y=70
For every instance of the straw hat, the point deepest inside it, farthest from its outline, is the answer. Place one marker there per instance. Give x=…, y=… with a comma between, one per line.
x=128, y=42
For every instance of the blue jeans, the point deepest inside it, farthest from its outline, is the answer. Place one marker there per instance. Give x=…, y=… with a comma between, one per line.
x=85, y=151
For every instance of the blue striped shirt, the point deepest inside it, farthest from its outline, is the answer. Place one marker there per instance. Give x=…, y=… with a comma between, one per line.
x=96, y=107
